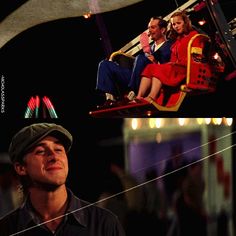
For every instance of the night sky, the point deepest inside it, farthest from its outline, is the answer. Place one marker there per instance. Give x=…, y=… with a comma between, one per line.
x=59, y=59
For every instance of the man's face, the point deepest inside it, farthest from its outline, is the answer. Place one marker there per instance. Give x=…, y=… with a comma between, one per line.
x=154, y=30
x=46, y=164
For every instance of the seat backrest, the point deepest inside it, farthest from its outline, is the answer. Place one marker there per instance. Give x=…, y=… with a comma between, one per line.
x=203, y=68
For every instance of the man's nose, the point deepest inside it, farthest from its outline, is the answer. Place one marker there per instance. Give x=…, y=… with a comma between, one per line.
x=51, y=154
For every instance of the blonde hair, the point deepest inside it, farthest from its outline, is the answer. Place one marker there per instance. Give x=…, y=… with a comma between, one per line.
x=187, y=24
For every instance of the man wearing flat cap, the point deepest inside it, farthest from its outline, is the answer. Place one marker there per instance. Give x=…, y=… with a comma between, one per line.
x=39, y=155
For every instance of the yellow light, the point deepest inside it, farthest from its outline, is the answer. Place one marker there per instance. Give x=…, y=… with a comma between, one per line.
x=151, y=122
x=87, y=15
x=200, y=121
x=134, y=124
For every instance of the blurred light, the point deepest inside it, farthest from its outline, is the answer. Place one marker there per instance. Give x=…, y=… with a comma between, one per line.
x=158, y=137
x=149, y=113
x=216, y=121
x=200, y=121
x=181, y=121
x=50, y=107
x=134, y=124
x=158, y=122
x=151, y=123
x=30, y=107
x=216, y=56
x=207, y=121
x=155, y=122
x=202, y=22
x=37, y=102
x=31, y=103
x=87, y=15
x=228, y=121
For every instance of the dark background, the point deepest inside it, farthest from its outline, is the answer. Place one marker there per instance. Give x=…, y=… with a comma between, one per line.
x=59, y=59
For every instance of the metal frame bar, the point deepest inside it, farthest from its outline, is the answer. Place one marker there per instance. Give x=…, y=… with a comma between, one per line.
x=134, y=46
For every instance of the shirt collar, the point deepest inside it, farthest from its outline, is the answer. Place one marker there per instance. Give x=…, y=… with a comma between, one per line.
x=75, y=208
x=155, y=47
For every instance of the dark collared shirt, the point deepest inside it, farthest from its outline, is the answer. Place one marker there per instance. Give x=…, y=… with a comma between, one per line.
x=81, y=219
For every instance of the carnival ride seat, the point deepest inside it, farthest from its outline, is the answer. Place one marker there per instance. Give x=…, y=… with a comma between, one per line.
x=203, y=68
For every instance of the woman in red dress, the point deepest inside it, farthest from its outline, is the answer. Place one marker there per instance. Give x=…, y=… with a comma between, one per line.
x=154, y=76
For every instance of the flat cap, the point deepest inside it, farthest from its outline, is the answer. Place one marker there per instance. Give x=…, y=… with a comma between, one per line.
x=30, y=135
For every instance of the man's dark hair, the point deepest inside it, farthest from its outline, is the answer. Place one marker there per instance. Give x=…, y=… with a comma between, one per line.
x=162, y=23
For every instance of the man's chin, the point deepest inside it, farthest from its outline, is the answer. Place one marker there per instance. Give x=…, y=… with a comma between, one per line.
x=51, y=187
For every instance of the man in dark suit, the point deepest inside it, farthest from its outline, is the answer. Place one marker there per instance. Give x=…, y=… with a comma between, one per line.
x=116, y=80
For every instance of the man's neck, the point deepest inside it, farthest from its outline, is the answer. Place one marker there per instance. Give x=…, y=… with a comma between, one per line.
x=49, y=204
x=160, y=40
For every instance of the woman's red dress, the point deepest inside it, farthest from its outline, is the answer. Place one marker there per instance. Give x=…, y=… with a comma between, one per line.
x=172, y=73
